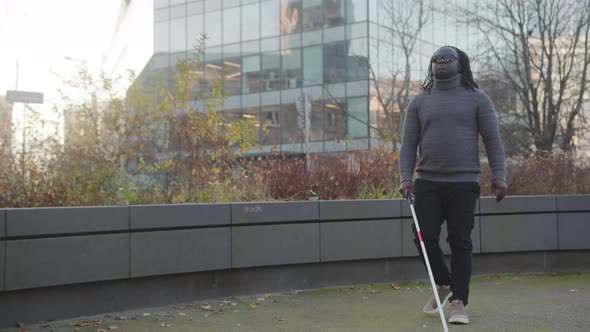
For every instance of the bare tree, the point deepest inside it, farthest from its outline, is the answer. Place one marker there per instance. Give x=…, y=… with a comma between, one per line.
x=393, y=92
x=543, y=50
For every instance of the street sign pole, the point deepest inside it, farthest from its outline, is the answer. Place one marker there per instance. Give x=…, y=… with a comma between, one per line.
x=25, y=97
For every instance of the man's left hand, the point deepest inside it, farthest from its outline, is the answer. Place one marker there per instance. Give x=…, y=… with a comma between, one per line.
x=500, y=189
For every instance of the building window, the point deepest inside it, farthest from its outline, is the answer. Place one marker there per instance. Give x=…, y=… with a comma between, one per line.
x=357, y=121
x=312, y=65
x=194, y=31
x=292, y=68
x=251, y=22
x=312, y=15
x=333, y=13
x=162, y=37
x=335, y=62
x=290, y=16
x=270, y=18
x=356, y=11
x=213, y=28
x=233, y=77
x=161, y=3
x=251, y=80
x=358, y=60
x=335, y=119
x=178, y=35
x=290, y=131
x=231, y=25
x=272, y=125
x=271, y=72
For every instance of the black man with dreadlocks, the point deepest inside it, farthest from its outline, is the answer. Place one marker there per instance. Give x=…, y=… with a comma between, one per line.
x=443, y=124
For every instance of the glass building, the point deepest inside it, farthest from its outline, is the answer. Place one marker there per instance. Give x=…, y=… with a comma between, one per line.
x=348, y=57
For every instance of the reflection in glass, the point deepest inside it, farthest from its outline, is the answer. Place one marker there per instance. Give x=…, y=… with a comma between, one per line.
x=335, y=119
x=213, y=72
x=250, y=22
x=213, y=28
x=231, y=25
x=161, y=14
x=178, y=11
x=271, y=122
x=357, y=117
x=211, y=5
x=335, y=62
x=333, y=13
x=356, y=11
x=312, y=15
x=194, y=8
x=178, y=35
x=194, y=31
x=252, y=114
x=358, y=61
x=270, y=18
x=233, y=76
x=290, y=132
x=312, y=61
x=271, y=72
x=161, y=3
x=316, y=122
x=292, y=68
x=290, y=16
x=162, y=37
x=251, y=74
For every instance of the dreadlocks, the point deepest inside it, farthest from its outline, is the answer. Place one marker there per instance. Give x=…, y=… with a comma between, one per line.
x=464, y=69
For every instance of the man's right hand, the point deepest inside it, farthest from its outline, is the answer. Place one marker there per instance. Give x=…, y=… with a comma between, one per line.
x=406, y=187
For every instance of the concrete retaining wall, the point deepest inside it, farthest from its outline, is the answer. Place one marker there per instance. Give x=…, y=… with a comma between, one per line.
x=45, y=247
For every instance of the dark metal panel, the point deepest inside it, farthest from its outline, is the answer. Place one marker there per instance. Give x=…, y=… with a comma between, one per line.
x=360, y=240
x=275, y=244
x=46, y=221
x=182, y=215
x=66, y=260
x=180, y=251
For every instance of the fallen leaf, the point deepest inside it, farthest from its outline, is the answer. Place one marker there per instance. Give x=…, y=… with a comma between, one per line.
x=396, y=287
x=205, y=307
x=252, y=306
x=374, y=291
x=166, y=325
x=279, y=319
x=181, y=314
x=268, y=295
x=113, y=327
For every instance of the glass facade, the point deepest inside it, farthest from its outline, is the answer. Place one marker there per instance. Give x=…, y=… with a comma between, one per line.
x=348, y=56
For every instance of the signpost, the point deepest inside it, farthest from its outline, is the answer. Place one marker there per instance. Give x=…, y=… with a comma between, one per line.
x=25, y=97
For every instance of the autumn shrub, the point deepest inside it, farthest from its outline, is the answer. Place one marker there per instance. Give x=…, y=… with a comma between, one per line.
x=556, y=174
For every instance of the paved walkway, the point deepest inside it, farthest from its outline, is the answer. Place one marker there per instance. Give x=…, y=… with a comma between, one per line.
x=541, y=302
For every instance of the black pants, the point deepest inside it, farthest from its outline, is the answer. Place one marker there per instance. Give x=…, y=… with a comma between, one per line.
x=454, y=202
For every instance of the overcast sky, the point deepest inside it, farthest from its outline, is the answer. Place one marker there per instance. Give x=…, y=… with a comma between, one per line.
x=40, y=33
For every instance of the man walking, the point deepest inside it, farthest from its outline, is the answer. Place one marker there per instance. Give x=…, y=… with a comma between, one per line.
x=443, y=124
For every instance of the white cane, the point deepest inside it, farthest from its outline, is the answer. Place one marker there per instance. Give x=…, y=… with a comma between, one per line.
x=434, y=289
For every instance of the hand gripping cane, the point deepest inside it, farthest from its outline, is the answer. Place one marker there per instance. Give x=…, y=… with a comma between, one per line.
x=434, y=289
